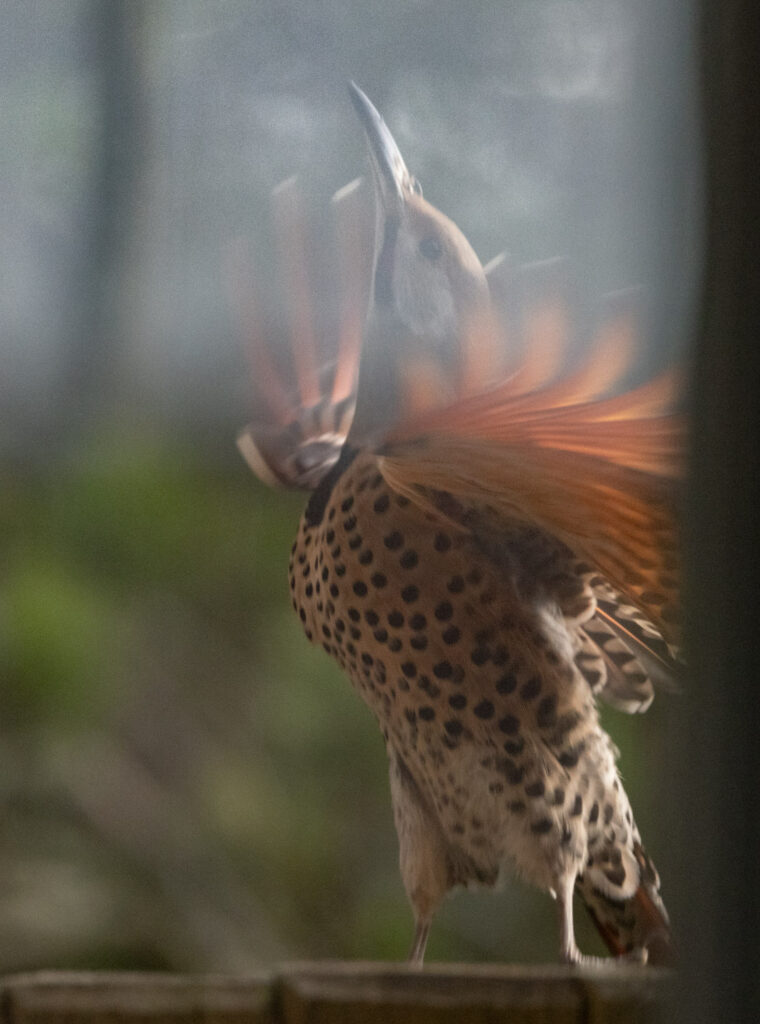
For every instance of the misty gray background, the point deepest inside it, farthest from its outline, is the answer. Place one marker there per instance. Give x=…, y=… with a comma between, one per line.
x=561, y=128
x=184, y=783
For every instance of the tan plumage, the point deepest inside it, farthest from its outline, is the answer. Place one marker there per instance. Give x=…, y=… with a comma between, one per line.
x=491, y=543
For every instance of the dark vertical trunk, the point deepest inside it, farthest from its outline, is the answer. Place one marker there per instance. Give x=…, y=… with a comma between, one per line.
x=716, y=741
x=97, y=327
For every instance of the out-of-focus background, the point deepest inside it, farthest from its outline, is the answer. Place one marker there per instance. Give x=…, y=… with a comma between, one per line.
x=184, y=782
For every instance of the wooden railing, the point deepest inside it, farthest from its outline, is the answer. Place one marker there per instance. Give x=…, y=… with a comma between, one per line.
x=339, y=993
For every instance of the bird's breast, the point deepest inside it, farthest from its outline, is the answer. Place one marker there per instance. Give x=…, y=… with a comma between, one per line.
x=459, y=671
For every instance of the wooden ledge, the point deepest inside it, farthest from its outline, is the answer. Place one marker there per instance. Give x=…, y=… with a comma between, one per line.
x=336, y=992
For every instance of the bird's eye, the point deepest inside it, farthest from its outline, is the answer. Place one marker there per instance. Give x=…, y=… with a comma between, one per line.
x=431, y=248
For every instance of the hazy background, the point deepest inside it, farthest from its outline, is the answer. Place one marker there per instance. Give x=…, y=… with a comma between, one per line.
x=184, y=782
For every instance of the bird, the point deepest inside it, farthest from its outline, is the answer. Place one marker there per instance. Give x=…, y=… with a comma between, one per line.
x=489, y=549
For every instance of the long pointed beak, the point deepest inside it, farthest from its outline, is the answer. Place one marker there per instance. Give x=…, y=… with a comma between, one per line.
x=393, y=181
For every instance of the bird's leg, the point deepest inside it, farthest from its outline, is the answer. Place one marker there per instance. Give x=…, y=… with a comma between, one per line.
x=422, y=853
x=417, y=952
x=568, y=950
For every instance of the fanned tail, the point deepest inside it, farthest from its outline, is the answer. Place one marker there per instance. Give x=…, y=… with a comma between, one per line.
x=635, y=922
x=305, y=390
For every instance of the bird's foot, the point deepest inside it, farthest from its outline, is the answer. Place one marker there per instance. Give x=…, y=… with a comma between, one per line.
x=573, y=955
x=416, y=956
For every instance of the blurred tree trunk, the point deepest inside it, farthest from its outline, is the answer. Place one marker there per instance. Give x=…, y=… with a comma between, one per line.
x=716, y=744
x=114, y=32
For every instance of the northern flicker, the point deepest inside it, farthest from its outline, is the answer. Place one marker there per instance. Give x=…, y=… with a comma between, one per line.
x=486, y=552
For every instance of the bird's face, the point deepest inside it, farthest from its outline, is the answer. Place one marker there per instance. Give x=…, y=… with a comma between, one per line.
x=429, y=290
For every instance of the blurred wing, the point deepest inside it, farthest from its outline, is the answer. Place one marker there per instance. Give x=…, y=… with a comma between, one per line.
x=619, y=519
x=304, y=376
x=551, y=448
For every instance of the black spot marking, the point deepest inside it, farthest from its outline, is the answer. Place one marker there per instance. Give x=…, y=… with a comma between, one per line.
x=509, y=724
x=444, y=611
x=429, y=687
x=541, y=827
x=349, y=523
x=382, y=504
x=419, y=643
x=455, y=585
x=484, y=709
x=410, y=594
x=569, y=758
x=393, y=541
x=458, y=701
x=615, y=875
x=516, y=806
x=514, y=747
x=356, y=542
x=442, y=670
x=451, y=635
x=593, y=814
x=426, y=713
x=381, y=635
x=577, y=807
x=531, y=689
x=499, y=656
x=480, y=655
x=512, y=772
x=409, y=559
x=506, y=684
x=609, y=810
x=371, y=618
x=395, y=619
x=360, y=589
x=346, y=504
x=409, y=669
x=453, y=727
x=535, y=789
x=379, y=580
x=418, y=621
x=365, y=557
x=566, y=723
x=442, y=542
x=546, y=713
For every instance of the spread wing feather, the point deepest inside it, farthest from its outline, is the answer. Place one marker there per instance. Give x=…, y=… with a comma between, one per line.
x=619, y=519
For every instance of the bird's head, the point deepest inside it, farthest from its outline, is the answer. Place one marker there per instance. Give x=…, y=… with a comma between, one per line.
x=428, y=291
